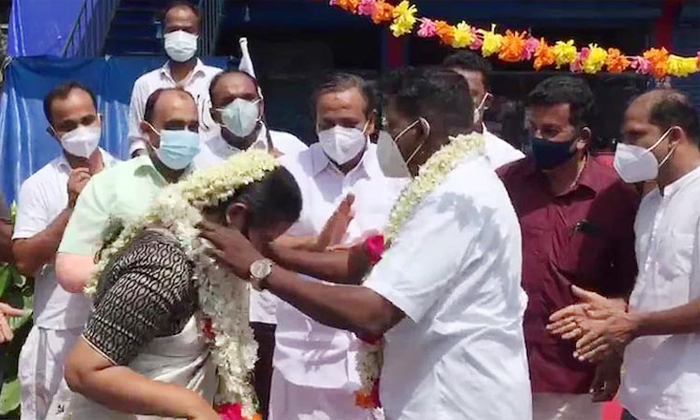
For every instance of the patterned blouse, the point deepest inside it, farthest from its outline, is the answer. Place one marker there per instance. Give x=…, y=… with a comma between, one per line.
x=146, y=291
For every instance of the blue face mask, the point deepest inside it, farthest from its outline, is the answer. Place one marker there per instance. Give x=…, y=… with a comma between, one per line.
x=177, y=148
x=548, y=154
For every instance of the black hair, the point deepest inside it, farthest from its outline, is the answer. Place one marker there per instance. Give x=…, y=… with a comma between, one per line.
x=153, y=100
x=340, y=82
x=61, y=92
x=670, y=108
x=175, y=4
x=215, y=80
x=274, y=199
x=566, y=90
x=434, y=93
x=470, y=61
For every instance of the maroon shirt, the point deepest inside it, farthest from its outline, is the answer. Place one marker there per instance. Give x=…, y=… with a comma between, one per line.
x=584, y=237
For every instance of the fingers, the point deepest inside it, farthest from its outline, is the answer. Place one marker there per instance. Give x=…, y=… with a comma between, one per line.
x=586, y=296
x=594, y=351
x=5, y=330
x=577, y=310
x=8, y=310
x=563, y=326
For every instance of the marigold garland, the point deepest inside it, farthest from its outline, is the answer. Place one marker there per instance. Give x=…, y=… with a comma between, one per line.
x=516, y=46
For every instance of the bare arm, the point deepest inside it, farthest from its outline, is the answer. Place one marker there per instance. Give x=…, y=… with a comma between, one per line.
x=73, y=271
x=32, y=253
x=120, y=388
x=342, y=266
x=6, y=242
x=683, y=319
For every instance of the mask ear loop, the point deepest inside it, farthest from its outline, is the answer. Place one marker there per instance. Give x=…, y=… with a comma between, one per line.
x=668, y=156
x=426, y=127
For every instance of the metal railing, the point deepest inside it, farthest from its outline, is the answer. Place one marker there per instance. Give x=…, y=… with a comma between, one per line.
x=90, y=30
x=212, y=13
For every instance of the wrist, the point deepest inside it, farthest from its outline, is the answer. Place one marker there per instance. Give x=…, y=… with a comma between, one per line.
x=637, y=321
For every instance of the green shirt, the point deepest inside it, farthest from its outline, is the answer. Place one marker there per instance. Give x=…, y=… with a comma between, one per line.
x=114, y=196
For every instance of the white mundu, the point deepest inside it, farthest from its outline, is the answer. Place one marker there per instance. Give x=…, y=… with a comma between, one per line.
x=59, y=316
x=455, y=270
x=662, y=373
x=315, y=376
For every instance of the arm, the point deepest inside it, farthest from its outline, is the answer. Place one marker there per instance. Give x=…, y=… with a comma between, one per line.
x=683, y=319
x=32, y=253
x=137, y=108
x=6, y=242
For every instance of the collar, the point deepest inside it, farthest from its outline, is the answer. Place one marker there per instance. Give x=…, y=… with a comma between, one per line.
x=144, y=163
x=368, y=165
x=220, y=147
x=589, y=175
x=196, y=71
x=63, y=165
x=681, y=182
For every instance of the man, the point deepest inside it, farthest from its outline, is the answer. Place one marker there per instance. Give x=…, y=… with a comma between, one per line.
x=238, y=107
x=447, y=293
x=476, y=70
x=124, y=192
x=576, y=217
x=660, y=332
x=181, y=28
x=46, y=202
x=311, y=378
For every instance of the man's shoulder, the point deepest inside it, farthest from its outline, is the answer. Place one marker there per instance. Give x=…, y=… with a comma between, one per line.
x=211, y=71
x=515, y=170
x=46, y=173
x=287, y=143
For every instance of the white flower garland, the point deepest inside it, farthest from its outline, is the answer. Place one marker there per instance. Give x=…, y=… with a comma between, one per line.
x=223, y=298
x=430, y=175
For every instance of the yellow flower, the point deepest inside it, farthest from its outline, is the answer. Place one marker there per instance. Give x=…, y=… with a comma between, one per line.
x=492, y=41
x=595, y=60
x=682, y=66
x=463, y=36
x=564, y=52
x=404, y=18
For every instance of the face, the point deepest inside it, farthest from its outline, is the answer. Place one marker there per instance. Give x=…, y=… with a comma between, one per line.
x=258, y=237
x=552, y=123
x=67, y=114
x=230, y=87
x=345, y=109
x=475, y=79
x=411, y=139
x=173, y=111
x=181, y=19
x=637, y=130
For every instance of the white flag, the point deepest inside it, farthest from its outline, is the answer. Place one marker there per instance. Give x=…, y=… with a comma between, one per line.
x=246, y=64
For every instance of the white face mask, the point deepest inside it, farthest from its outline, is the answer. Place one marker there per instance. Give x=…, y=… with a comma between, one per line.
x=180, y=45
x=342, y=144
x=637, y=164
x=240, y=117
x=82, y=141
x=391, y=161
x=479, y=109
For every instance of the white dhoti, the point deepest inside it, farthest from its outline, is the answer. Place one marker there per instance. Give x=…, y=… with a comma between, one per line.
x=40, y=369
x=181, y=359
x=549, y=406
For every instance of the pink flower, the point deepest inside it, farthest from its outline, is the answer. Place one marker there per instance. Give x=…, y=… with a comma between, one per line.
x=642, y=65
x=428, y=28
x=333, y=2
x=577, y=64
x=366, y=7
x=698, y=59
x=230, y=412
x=530, y=47
x=477, y=42
x=374, y=246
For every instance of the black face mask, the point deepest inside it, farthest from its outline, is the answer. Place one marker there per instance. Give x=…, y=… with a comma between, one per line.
x=548, y=154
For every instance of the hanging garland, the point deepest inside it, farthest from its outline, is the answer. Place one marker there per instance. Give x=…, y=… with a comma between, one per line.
x=514, y=46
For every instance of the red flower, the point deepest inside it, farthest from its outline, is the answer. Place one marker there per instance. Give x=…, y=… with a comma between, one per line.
x=374, y=246
x=207, y=329
x=230, y=412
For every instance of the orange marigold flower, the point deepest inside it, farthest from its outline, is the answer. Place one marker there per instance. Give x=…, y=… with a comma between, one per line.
x=348, y=5
x=364, y=400
x=544, y=56
x=445, y=32
x=616, y=62
x=383, y=12
x=659, y=61
x=513, y=46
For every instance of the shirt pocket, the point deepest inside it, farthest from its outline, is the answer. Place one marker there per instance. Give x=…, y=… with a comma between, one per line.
x=584, y=257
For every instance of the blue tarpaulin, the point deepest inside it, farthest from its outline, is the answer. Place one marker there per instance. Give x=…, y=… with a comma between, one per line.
x=41, y=27
x=25, y=145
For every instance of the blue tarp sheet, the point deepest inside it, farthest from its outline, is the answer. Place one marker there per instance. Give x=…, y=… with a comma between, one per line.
x=25, y=145
x=41, y=27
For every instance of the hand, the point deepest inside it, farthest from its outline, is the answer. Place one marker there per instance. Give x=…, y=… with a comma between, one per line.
x=5, y=330
x=566, y=322
x=357, y=242
x=204, y=412
x=607, y=380
x=232, y=248
x=77, y=180
x=604, y=338
x=336, y=227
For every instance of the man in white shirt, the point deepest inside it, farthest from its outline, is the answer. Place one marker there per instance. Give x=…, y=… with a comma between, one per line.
x=45, y=204
x=314, y=376
x=476, y=70
x=238, y=108
x=446, y=295
x=181, y=27
x=660, y=330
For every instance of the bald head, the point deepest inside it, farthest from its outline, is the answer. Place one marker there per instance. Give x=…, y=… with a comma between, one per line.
x=664, y=109
x=170, y=109
x=227, y=86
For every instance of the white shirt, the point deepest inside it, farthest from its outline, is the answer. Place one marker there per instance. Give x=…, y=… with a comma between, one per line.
x=197, y=83
x=662, y=373
x=42, y=197
x=308, y=353
x=498, y=151
x=216, y=149
x=455, y=271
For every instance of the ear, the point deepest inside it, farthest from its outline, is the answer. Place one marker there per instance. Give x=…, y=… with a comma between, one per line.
x=237, y=215
x=424, y=127
x=675, y=134
x=153, y=138
x=372, y=123
x=585, y=138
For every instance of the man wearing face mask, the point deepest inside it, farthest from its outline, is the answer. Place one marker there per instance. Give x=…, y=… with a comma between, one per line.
x=181, y=27
x=237, y=107
x=314, y=375
x=476, y=70
x=577, y=218
x=124, y=193
x=46, y=202
x=659, y=333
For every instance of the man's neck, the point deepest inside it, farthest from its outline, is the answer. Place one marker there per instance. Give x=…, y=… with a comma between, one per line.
x=563, y=178
x=180, y=71
x=94, y=163
x=348, y=166
x=673, y=171
x=170, y=175
x=240, y=143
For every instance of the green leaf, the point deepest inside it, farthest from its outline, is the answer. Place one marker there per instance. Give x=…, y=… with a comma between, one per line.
x=9, y=397
x=5, y=278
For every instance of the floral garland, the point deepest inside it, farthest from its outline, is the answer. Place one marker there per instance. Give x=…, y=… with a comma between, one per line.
x=430, y=175
x=223, y=298
x=514, y=46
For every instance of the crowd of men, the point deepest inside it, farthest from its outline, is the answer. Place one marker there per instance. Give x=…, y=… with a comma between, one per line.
x=610, y=253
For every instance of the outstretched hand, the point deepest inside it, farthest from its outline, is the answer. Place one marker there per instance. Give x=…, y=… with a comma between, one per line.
x=231, y=247
x=5, y=330
x=336, y=228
